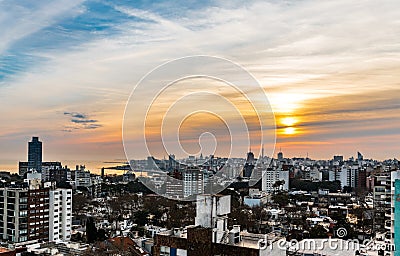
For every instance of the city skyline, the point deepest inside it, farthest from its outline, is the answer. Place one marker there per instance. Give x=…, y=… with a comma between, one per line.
x=330, y=70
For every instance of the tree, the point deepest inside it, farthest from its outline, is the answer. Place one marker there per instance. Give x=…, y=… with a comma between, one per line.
x=141, y=217
x=281, y=198
x=78, y=203
x=91, y=230
x=318, y=232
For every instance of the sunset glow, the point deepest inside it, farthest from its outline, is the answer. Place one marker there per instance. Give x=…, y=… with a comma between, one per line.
x=67, y=76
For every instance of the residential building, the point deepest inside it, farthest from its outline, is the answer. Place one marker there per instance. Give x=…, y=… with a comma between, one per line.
x=81, y=177
x=193, y=181
x=272, y=176
x=60, y=218
x=35, y=211
x=25, y=214
x=382, y=201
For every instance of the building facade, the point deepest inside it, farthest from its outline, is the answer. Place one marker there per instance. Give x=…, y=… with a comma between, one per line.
x=60, y=217
x=35, y=154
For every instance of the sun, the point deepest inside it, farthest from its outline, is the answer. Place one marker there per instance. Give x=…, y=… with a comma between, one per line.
x=289, y=130
x=288, y=121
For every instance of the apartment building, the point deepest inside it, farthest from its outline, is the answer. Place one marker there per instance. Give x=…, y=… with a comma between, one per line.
x=61, y=214
x=35, y=211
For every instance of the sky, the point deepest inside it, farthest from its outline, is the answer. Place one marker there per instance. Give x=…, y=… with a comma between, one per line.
x=330, y=69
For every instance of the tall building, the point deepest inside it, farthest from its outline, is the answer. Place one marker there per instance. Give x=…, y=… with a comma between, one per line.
x=382, y=199
x=35, y=211
x=35, y=154
x=272, y=177
x=193, y=181
x=212, y=212
x=60, y=217
x=25, y=214
x=188, y=182
x=360, y=157
x=280, y=156
x=14, y=212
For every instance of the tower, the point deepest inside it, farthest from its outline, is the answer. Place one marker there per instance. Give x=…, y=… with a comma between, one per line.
x=280, y=156
x=35, y=154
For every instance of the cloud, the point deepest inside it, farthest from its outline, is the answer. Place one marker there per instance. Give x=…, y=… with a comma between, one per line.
x=302, y=52
x=82, y=122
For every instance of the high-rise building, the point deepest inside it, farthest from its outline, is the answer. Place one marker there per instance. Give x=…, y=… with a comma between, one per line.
x=382, y=195
x=14, y=212
x=35, y=211
x=60, y=217
x=193, y=181
x=212, y=212
x=360, y=157
x=274, y=178
x=280, y=156
x=25, y=214
x=35, y=154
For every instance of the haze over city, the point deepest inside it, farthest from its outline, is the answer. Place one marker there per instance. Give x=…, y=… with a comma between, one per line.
x=330, y=71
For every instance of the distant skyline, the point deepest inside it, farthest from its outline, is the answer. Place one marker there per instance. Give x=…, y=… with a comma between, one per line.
x=331, y=70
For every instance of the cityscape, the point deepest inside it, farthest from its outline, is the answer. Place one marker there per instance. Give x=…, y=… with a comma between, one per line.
x=51, y=209
x=199, y=128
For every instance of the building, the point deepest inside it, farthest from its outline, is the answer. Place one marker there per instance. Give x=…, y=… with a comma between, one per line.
x=35, y=154
x=22, y=168
x=60, y=218
x=186, y=183
x=280, y=156
x=347, y=175
x=38, y=211
x=81, y=177
x=60, y=176
x=394, y=235
x=35, y=211
x=47, y=167
x=212, y=212
x=14, y=212
x=338, y=159
x=382, y=201
x=193, y=181
x=211, y=236
x=274, y=178
x=25, y=214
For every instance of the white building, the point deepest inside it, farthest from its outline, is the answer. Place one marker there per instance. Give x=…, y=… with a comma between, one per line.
x=271, y=175
x=82, y=177
x=347, y=176
x=212, y=212
x=60, y=214
x=193, y=182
